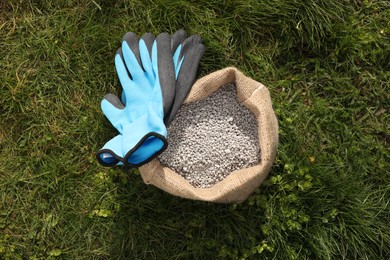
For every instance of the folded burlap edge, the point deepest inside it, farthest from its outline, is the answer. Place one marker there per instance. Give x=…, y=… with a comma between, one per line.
x=238, y=185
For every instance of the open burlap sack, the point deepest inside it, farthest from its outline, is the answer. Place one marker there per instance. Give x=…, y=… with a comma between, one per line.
x=238, y=185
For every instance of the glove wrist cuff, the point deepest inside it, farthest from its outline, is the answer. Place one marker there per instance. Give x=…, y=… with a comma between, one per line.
x=143, y=140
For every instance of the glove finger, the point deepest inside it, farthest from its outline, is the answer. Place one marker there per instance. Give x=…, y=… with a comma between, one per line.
x=149, y=39
x=180, y=52
x=194, y=39
x=132, y=41
x=145, y=47
x=177, y=39
x=188, y=43
x=189, y=66
x=112, y=108
x=185, y=80
x=163, y=65
x=131, y=61
x=121, y=70
x=176, y=56
x=112, y=105
x=195, y=55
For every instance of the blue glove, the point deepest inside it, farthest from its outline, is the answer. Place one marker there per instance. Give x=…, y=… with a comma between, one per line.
x=141, y=121
x=186, y=56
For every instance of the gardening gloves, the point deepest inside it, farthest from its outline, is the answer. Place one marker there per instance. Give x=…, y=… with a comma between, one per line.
x=156, y=75
x=140, y=121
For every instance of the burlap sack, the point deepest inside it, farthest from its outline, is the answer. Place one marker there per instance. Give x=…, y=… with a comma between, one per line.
x=241, y=183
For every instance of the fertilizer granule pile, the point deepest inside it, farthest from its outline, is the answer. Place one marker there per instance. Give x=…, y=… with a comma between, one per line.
x=211, y=138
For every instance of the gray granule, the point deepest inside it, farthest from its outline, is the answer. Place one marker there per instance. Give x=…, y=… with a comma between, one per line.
x=211, y=138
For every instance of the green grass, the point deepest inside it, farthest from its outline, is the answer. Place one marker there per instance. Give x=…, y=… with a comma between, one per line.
x=327, y=66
